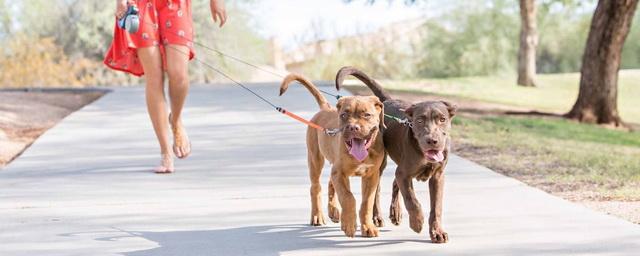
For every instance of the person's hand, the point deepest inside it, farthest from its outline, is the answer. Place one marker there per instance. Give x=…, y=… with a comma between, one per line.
x=121, y=8
x=218, y=12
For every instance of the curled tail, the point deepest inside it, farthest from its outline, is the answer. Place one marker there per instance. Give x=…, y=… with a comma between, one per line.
x=322, y=101
x=372, y=84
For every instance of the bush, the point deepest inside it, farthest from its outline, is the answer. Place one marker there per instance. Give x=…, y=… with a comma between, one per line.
x=474, y=39
x=26, y=61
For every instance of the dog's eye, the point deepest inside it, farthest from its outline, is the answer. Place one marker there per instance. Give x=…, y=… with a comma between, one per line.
x=367, y=115
x=442, y=119
x=343, y=115
x=419, y=121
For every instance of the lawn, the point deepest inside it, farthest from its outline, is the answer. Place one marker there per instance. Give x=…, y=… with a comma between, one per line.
x=554, y=92
x=579, y=162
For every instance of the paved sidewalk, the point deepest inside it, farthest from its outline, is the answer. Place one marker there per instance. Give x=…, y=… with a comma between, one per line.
x=85, y=188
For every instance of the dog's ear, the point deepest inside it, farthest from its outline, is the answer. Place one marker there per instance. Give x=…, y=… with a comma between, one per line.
x=380, y=106
x=339, y=104
x=408, y=111
x=452, y=108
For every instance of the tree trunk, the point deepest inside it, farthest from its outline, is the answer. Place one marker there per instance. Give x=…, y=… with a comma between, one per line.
x=598, y=97
x=528, y=43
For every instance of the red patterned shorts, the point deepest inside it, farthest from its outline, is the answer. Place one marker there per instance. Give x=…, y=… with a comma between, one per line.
x=162, y=23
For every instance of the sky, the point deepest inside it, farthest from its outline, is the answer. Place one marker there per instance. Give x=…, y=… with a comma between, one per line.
x=296, y=21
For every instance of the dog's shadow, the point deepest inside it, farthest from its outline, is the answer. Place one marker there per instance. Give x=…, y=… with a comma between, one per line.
x=251, y=240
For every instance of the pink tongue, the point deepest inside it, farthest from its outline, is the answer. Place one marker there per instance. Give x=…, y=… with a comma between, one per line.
x=436, y=155
x=358, y=149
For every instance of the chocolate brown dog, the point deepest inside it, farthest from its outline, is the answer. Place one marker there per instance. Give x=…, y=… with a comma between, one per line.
x=420, y=148
x=357, y=150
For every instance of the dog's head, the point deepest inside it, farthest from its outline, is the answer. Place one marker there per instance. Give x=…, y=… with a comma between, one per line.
x=361, y=119
x=431, y=124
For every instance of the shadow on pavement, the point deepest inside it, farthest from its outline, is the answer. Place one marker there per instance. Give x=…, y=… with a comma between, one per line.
x=252, y=240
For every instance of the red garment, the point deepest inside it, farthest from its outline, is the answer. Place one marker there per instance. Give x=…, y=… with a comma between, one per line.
x=166, y=21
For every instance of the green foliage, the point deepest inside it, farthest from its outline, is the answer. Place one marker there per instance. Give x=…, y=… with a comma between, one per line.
x=5, y=19
x=562, y=36
x=236, y=38
x=83, y=30
x=40, y=62
x=631, y=50
x=475, y=39
x=386, y=59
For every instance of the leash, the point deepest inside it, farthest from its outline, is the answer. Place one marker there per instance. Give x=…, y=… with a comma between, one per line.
x=402, y=121
x=329, y=132
x=336, y=96
x=221, y=53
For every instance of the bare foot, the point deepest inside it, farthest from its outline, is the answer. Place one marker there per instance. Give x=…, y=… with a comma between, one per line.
x=181, y=143
x=166, y=165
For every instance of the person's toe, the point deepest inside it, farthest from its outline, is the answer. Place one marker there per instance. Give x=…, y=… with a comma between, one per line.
x=186, y=150
x=180, y=152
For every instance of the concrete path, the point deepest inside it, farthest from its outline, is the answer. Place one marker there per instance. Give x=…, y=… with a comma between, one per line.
x=85, y=188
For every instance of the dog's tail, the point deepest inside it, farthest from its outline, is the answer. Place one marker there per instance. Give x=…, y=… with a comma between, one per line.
x=371, y=83
x=322, y=101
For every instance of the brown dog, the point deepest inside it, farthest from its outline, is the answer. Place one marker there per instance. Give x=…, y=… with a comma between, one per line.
x=357, y=150
x=420, y=148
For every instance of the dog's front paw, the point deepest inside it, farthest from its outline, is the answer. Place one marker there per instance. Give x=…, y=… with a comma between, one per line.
x=369, y=230
x=416, y=221
x=438, y=235
x=334, y=213
x=378, y=221
x=395, y=214
x=348, y=225
x=317, y=219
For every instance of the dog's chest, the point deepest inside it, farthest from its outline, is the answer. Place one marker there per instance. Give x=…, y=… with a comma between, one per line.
x=362, y=169
x=425, y=172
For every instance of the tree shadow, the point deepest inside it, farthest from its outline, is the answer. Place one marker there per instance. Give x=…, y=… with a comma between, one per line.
x=252, y=240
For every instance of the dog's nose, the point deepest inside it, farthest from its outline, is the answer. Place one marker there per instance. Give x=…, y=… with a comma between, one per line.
x=431, y=141
x=354, y=128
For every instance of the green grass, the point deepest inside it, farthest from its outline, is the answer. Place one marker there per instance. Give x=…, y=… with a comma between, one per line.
x=554, y=92
x=575, y=158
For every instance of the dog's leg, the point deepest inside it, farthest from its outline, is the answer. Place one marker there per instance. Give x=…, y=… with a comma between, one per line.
x=436, y=187
x=395, y=211
x=416, y=218
x=334, y=205
x=377, y=217
x=347, y=201
x=316, y=162
x=369, y=187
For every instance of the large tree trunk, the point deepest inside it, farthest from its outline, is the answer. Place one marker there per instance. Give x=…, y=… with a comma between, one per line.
x=528, y=43
x=598, y=97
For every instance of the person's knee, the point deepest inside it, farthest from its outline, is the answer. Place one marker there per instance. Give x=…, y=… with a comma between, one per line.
x=178, y=76
x=154, y=79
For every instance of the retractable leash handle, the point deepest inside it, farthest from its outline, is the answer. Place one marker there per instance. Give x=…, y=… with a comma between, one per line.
x=130, y=21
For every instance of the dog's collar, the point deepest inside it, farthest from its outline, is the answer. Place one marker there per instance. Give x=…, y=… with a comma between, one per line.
x=332, y=132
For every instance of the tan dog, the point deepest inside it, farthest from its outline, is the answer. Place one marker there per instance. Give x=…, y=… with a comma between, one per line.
x=421, y=151
x=357, y=150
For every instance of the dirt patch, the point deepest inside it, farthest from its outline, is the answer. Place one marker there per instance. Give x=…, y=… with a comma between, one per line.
x=520, y=163
x=25, y=115
x=626, y=210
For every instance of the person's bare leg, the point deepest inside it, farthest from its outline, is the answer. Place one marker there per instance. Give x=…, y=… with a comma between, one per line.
x=154, y=92
x=178, y=70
